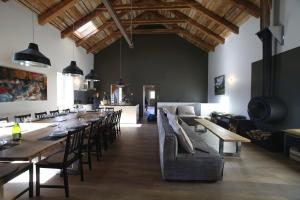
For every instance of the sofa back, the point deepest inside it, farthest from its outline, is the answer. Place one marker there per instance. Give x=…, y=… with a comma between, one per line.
x=168, y=144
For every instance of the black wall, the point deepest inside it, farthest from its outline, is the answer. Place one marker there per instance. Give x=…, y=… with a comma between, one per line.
x=287, y=85
x=177, y=68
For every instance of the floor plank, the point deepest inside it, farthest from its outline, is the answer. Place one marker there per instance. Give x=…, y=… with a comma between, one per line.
x=130, y=170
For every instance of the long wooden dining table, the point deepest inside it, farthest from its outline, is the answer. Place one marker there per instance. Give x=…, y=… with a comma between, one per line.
x=33, y=143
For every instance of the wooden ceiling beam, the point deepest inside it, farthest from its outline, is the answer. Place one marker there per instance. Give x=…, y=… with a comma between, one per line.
x=216, y=18
x=151, y=6
x=55, y=10
x=200, y=27
x=136, y=32
x=249, y=7
x=134, y=22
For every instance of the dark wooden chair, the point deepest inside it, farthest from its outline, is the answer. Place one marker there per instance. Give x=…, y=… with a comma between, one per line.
x=63, y=159
x=21, y=118
x=118, y=128
x=54, y=112
x=41, y=115
x=92, y=142
x=66, y=111
x=100, y=109
x=9, y=171
x=4, y=119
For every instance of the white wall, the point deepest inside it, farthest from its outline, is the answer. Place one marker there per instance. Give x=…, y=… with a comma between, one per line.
x=235, y=57
x=16, y=33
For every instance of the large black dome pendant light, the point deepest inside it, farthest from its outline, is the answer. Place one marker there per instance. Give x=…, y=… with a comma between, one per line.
x=121, y=82
x=72, y=69
x=31, y=56
x=92, y=76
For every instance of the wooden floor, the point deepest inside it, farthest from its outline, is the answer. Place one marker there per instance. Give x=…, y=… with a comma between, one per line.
x=130, y=170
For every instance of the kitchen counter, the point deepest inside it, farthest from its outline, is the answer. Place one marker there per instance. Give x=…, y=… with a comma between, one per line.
x=130, y=113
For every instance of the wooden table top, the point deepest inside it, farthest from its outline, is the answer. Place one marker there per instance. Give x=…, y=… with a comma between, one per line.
x=31, y=146
x=222, y=133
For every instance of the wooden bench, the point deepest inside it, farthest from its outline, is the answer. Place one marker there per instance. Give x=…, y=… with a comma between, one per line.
x=224, y=135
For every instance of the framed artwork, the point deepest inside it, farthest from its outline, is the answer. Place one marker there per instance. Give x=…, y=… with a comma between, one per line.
x=20, y=85
x=220, y=85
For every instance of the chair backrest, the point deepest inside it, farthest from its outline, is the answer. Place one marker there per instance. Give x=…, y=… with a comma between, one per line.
x=73, y=144
x=4, y=119
x=67, y=111
x=109, y=109
x=21, y=118
x=54, y=112
x=40, y=115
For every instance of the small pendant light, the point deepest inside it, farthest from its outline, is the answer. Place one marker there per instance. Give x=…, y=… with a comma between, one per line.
x=73, y=69
x=92, y=76
x=32, y=56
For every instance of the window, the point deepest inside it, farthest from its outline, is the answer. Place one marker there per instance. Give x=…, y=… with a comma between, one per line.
x=152, y=94
x=65, y=91
x=86, y=29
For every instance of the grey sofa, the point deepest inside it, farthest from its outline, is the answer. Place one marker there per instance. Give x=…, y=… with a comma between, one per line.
x=178, y=165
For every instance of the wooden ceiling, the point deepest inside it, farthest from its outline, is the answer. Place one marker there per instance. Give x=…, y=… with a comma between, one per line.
x=204, y=23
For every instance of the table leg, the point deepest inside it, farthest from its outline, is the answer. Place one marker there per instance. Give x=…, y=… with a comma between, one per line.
x=1, y=192
x=221, y=147
x=31, y=181
x=238, y=146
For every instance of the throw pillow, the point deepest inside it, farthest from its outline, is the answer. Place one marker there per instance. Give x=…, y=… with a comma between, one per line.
x=186, y=111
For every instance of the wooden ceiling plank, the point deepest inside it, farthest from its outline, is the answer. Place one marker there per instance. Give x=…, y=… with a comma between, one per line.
x=216, y=18
x=151, y=6
x=249, y=7
x=55, y=10
x=200, y=27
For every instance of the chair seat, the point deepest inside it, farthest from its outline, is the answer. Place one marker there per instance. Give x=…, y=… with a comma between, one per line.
x=55, y=160
x=7, y=169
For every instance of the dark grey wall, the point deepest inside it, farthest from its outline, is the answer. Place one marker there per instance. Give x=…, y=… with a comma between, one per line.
x=287, y=85
x=177, y=68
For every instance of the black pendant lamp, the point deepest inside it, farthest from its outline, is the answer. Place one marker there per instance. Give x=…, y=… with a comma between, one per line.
x=31, y=56
x=92, y=76
x=121, y=82
x=72, y=70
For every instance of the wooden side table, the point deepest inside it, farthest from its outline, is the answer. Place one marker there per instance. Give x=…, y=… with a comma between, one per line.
x=291, y=137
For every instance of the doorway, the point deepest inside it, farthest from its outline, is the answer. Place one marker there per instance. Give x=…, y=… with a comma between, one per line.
x=149, y=100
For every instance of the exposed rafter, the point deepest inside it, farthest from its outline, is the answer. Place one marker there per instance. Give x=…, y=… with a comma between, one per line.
x=55, y=10
x=249, y=7
x=200, y=27
x=216, y=18
x=152, y=6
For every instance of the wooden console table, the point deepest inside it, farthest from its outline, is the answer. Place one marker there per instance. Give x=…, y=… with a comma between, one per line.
x=291, y=137
x=224, y=135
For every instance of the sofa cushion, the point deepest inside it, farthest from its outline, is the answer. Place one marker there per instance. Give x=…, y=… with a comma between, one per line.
x=186, y=111
x=170, y=109
x=183, y=139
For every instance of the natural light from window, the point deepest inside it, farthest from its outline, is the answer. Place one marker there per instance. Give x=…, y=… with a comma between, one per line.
x=152, y=94
x=86, y=29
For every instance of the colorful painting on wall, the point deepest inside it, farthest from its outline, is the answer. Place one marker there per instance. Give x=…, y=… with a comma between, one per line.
x=220, y=85
x=20, y=85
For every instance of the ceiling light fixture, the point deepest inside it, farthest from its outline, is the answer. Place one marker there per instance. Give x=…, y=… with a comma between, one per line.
x=31, y=56
x=92, y=76
x=73, y=69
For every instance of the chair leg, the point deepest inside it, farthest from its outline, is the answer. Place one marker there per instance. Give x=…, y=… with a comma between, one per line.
x=31, y=182
x=38, y=186
x=89, y=158
x=80, y=169
x=66, y=182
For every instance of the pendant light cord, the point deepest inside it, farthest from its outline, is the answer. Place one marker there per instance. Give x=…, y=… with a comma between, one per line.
x=131, y=18
x=120, y=58
x=73, y=51
x=32, y=20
